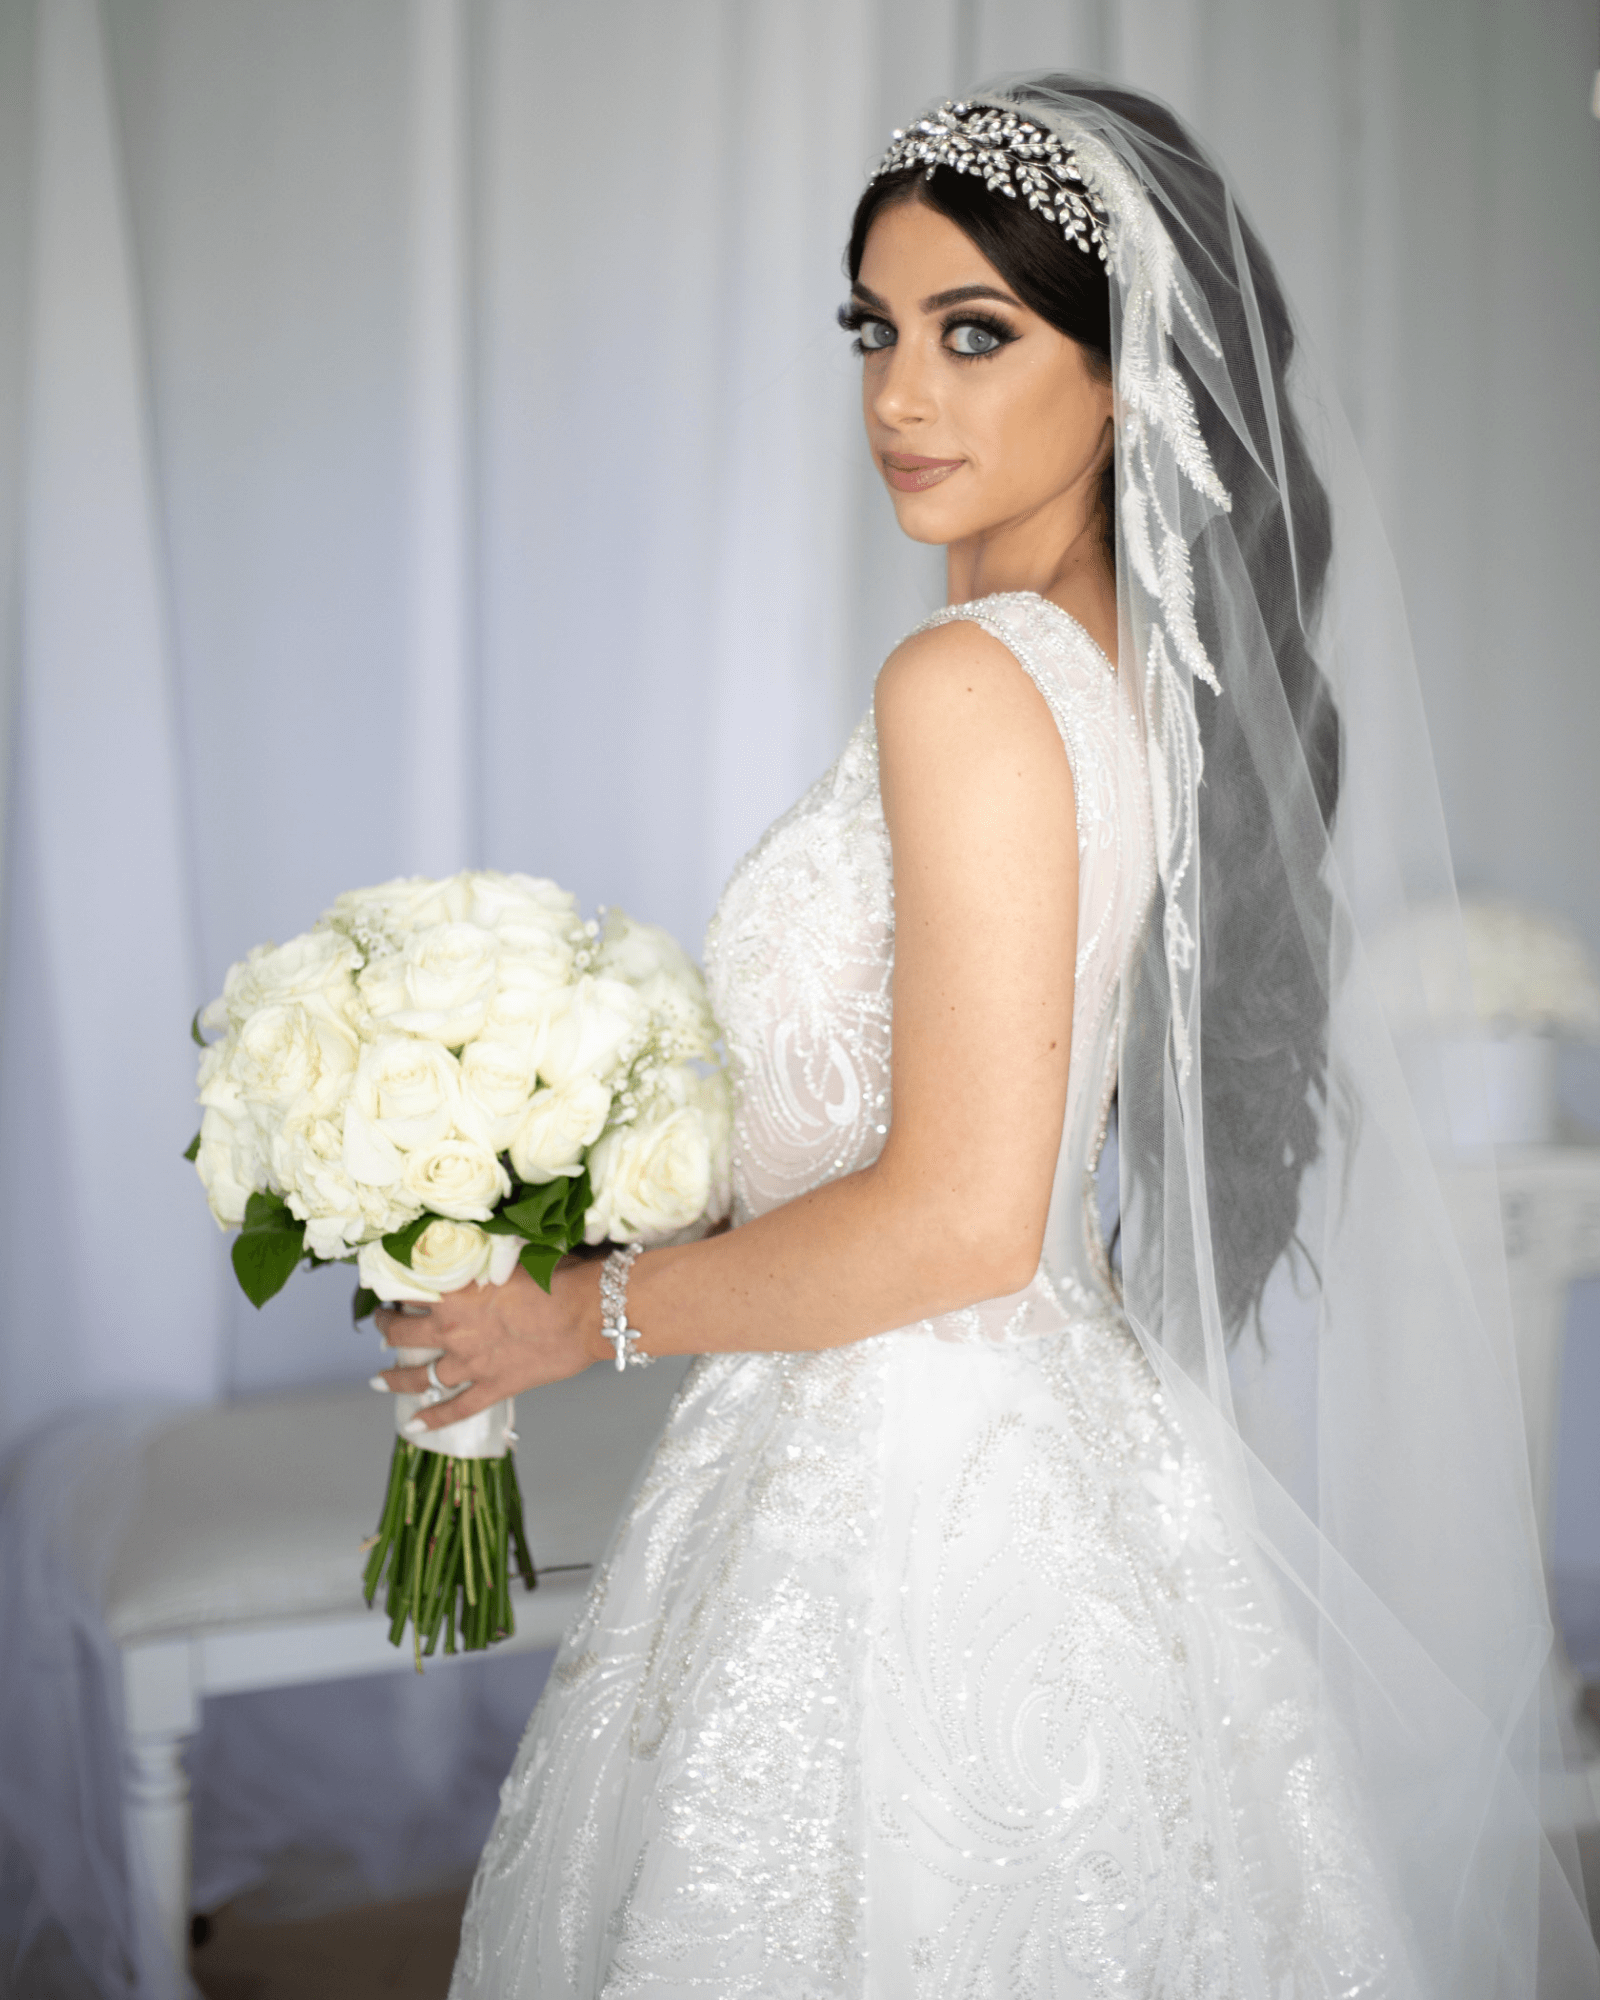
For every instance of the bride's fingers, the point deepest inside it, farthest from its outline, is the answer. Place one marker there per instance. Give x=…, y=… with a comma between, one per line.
x=399, y=1328
x=403, y=1381
x=467, y=1404
x=414, y=1381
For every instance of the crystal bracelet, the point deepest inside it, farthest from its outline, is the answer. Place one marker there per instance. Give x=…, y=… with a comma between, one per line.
x=614, y=1309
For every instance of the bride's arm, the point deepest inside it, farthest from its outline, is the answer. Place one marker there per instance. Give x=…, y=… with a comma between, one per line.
x=978, y=798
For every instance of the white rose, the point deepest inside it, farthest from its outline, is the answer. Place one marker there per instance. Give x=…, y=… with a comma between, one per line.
x=518, y=1010
x=456, y=1177
x=284, y=1054
x=452, y=901
x=593, y=1029
x=649, y=1180
x=529, y=969
x=384, y=1209
x=405, y=1094
x=394, y=909
x=217, y=1086
x=559, y=1127
x=707, y=1094
x=308, y=1165
x=497, y=1080
x=635, y=951
x=317, y=969
x=332, y=1237
x=232, y=1164
x=713, y=1098
x=522, y=903
x=439, y=986
x=444, y=1258
x=668, y=981
x=539, y=934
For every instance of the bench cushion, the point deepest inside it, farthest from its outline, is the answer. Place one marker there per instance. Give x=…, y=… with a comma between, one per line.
x=256, y=1510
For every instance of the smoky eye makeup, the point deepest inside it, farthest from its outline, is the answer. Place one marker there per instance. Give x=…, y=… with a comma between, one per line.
x=967, y=336
x=972, y=336
x=872, y=331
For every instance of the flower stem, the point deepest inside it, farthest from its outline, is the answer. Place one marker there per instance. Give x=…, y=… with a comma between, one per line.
x=513, y=1508
x=446, y=1537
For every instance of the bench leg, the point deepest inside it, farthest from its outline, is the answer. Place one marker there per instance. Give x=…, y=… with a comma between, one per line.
x=156, y=1816
x=161, y=1713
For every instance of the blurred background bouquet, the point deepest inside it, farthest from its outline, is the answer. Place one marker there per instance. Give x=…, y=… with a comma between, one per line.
x=1496, y=998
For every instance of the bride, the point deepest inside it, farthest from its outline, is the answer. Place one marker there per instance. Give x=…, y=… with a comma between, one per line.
x=1003, y=1612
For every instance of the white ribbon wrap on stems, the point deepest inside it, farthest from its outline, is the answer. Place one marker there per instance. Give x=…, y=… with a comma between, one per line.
x=486, y=1435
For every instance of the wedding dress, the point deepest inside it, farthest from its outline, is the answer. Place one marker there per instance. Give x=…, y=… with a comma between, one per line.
x=928, y=1665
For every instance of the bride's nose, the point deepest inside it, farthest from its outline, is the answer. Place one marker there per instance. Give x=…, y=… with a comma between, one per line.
x=903, y=395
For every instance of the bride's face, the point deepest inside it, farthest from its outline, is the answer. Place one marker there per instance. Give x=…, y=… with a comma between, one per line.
x=980, y=413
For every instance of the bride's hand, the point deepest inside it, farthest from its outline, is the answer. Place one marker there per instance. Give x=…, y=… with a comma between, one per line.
x=501, y=1339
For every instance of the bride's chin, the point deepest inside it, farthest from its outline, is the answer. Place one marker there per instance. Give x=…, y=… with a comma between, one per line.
x=921, y=519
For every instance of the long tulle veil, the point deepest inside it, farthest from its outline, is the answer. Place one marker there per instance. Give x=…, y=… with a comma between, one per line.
x=1351, y=1365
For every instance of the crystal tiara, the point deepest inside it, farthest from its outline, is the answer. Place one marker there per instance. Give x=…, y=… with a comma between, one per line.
x=1013, y=156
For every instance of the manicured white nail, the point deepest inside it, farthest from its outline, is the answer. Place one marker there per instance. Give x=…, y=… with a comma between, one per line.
x=415, y=1428
x=377, y=1382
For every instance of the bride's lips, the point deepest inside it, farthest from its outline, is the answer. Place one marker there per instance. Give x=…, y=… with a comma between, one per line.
x=907, y=473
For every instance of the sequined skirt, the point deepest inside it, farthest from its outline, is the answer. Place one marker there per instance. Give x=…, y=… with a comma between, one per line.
x=927, y=1668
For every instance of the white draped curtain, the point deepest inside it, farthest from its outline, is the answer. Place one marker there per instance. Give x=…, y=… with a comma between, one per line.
x=424, y=441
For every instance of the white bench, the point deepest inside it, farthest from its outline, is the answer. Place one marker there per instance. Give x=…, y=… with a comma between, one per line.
x=241, y=1568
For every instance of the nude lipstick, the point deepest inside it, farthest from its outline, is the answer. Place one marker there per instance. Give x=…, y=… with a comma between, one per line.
x=907, y=473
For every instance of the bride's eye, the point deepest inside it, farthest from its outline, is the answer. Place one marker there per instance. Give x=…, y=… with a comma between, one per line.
x=871, y=335
x=971, y=338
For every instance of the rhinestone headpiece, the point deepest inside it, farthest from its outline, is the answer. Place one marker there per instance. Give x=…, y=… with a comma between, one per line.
x=1014, y=158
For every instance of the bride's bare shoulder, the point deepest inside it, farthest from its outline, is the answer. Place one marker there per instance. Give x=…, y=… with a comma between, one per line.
x=958, y=676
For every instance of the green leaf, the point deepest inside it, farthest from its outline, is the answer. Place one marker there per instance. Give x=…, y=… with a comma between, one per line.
x=539, y=1213
x=401, y=1242
x=580, y=1198
x=265, y=1210
x=195, y=1035
x=363, y=1306
x=264, y=1259
x=191, y=1152
x=539, y=1260
x=497, y=1225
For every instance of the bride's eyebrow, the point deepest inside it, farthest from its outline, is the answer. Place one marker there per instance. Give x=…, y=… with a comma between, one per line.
x=960, y=294
x=937, y=301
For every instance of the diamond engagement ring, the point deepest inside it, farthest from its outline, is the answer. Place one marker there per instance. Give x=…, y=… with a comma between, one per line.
x=440, y=1388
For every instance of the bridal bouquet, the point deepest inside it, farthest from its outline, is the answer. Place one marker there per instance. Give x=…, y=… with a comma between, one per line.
x=440, y=1081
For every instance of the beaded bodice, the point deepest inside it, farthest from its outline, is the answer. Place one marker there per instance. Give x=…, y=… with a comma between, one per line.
x=800, y=954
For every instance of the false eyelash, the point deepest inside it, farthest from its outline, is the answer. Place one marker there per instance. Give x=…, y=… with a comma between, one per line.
x=990, y=324
x=852, y=318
